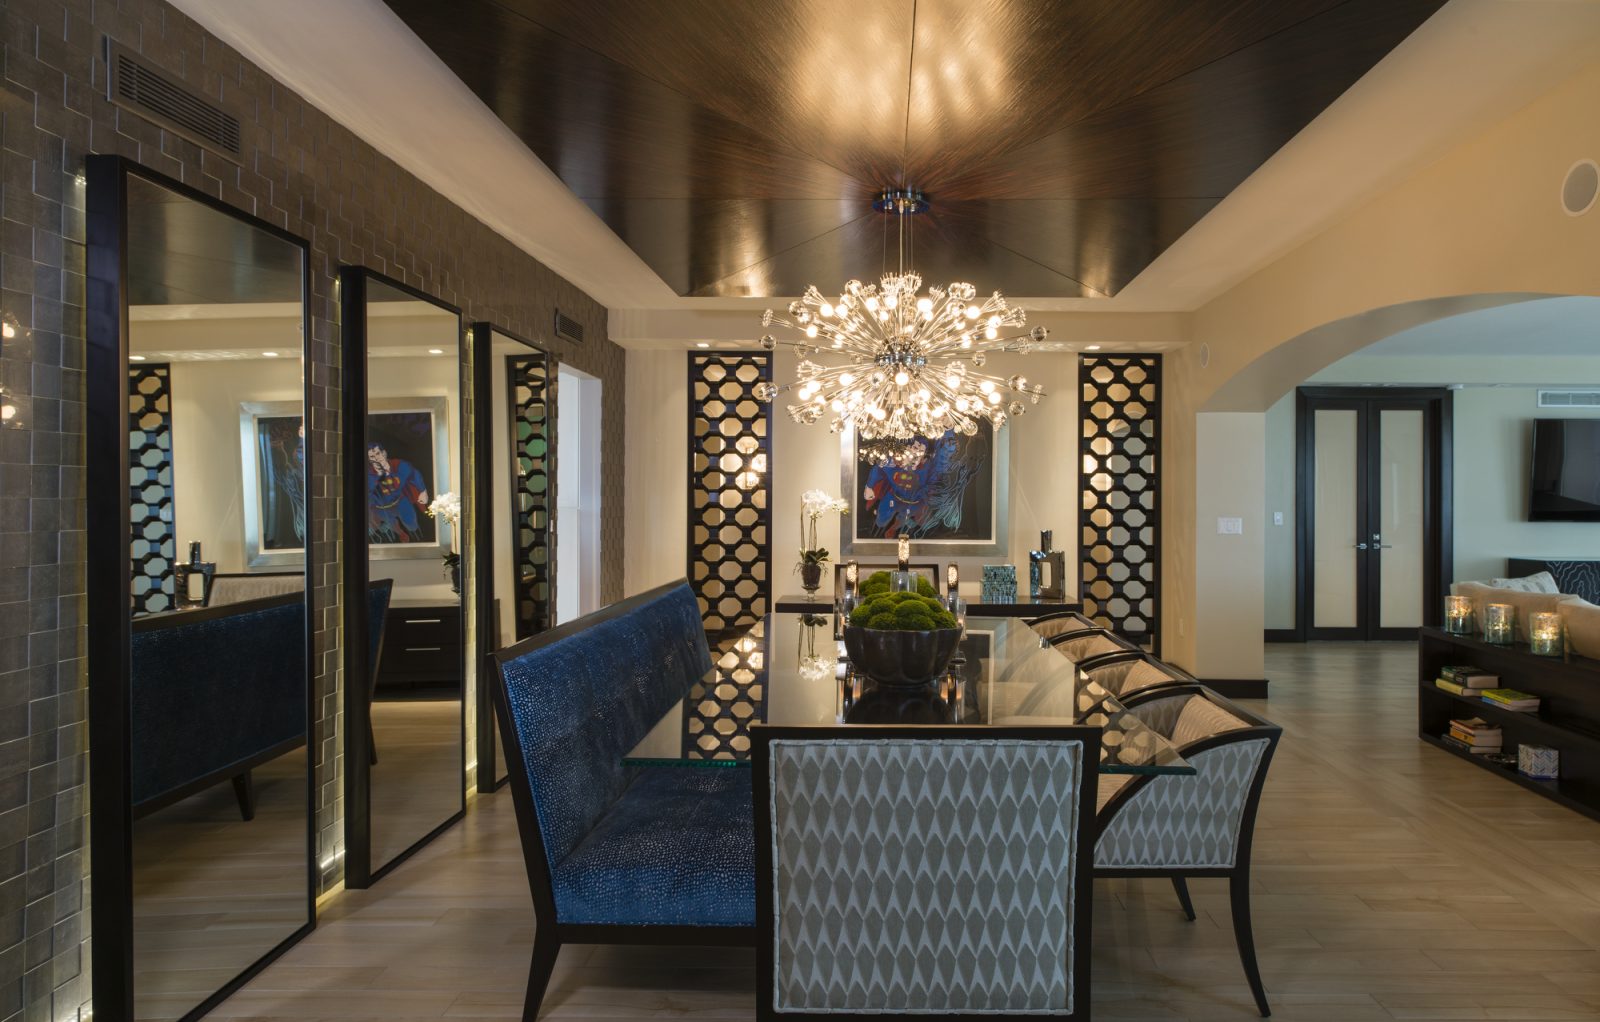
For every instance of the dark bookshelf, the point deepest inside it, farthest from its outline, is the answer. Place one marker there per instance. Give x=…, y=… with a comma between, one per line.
x=1568, y=718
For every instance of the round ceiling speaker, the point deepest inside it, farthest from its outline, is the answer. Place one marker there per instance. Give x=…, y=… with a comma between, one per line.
x=1580, y=188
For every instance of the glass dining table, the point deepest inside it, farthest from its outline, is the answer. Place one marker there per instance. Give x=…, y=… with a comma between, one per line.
x=789, y=669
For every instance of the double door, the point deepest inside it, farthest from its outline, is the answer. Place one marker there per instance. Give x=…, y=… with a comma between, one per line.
x=1372, y=493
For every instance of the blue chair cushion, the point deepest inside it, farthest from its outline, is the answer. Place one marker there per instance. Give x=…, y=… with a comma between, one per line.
x=677, y=849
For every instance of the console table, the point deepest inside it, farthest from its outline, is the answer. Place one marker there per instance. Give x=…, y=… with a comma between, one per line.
x=1021, y=607
x=1568, y=719
x=422, y=647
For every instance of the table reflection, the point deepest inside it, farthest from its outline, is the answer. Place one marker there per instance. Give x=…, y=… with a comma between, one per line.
x=792, y=669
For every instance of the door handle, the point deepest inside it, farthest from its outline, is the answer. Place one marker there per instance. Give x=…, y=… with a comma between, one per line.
x=1383, y=546
x=1361, y=546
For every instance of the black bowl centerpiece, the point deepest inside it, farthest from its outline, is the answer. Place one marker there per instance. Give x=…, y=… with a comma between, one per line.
x=901, y=639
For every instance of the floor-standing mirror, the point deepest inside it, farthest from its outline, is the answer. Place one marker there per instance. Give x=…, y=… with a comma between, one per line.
x=404, y=639
x=515, y=383
x=198, y=611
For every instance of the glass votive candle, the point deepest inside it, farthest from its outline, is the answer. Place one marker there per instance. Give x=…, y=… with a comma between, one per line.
x=1544, y=633
x=1498, y=623
x=1458, y=615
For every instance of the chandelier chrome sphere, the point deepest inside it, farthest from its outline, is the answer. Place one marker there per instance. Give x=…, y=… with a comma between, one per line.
x=894, y=363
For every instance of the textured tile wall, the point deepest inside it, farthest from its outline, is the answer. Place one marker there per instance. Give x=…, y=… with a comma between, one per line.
x=302, y=172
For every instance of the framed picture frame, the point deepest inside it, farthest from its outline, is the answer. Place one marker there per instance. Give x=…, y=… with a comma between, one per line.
x=272, y=461
x=928, y=571
x=408, y=464
x=952, y=500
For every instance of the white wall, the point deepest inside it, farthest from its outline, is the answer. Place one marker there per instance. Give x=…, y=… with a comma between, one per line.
x=1492, y=440
x=1233, y=454
x=1043, y=478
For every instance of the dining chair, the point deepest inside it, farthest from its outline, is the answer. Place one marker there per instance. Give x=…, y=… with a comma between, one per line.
x=924, y=872
x=1048, y=625
x=1085, y=644
x=1126, y=673
x=1179, y=826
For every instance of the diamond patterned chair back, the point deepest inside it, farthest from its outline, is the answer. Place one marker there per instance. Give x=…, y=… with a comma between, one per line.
x=923, y=871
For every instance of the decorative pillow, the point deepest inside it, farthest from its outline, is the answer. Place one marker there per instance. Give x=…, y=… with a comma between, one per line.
x=1581, y=621
x=1538, y=582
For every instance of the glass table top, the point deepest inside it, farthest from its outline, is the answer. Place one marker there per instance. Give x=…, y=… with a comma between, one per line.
x=789, y=669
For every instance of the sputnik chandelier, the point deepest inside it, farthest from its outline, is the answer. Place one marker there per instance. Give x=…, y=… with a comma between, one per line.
x=904, y=364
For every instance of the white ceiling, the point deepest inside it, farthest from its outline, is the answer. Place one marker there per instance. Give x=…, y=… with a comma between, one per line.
x=1473, y=63
x=1544, y=327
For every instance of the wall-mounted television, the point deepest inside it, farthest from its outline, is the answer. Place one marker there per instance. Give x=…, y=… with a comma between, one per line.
x=1565, y=485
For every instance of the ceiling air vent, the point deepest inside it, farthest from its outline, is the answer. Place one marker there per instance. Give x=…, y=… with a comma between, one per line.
x=156, y=96
x=1569, y=399
x=568, y=328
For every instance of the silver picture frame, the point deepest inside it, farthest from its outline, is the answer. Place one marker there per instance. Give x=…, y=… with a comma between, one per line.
x=253, y=497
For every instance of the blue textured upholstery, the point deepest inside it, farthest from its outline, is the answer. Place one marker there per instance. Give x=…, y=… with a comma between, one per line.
x=209, y=694
x=677, y=849
x=580, y=703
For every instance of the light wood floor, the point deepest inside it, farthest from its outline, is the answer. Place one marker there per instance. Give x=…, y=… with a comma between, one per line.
x=1392, y=881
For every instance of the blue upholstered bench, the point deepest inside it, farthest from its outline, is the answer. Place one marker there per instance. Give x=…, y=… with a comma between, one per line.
x=215, y=694
x=620, y=854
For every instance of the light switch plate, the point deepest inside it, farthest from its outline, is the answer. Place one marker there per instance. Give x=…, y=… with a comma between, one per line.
x=1230, y=526
x=1277, y=518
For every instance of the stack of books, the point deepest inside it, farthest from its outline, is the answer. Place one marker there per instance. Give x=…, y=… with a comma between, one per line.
x=1474, y=735
x=1466, y=681
x=1511, y=699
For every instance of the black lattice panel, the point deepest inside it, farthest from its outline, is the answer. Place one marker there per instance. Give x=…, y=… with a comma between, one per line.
x=717, y=714
x=729, y=491
x=533, y=427
x=1121, y=512
x=152, y=540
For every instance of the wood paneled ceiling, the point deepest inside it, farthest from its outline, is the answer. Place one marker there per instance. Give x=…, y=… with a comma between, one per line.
x=736, y=145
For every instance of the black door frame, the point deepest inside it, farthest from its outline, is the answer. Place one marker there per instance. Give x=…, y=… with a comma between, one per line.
x=1437, y=500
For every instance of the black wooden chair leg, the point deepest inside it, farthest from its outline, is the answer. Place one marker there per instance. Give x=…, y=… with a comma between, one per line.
x=1181, y=885
x=1239, y=895
x=244, y=789
x=545, y=951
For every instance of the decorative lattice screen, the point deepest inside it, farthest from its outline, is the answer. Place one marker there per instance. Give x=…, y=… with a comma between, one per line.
x=153, y=542
x=729, y=515
x=532, y=403
x=1120, y=448
x=717, y=714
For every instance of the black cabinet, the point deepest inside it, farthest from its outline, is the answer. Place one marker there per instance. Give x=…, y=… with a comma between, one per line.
x=422, y=649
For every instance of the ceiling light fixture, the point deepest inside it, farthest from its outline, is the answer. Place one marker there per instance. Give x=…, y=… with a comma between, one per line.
x=701, y=344
x=269, y=354
x=909, y=362
x=1091, y=347
x=436, y=351
x=135, y=358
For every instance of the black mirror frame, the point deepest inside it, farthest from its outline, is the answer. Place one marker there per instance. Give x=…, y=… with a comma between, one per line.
x=108, y=578
x=483, y=536
x=359, y=870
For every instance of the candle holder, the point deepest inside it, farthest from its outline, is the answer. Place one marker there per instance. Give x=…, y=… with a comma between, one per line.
x=1544, y=633
x=903, y=579
x=1458, y=615
x=1499, y=623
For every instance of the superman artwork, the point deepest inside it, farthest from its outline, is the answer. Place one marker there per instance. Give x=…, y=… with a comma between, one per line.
x=399, y=466
x=944, y=491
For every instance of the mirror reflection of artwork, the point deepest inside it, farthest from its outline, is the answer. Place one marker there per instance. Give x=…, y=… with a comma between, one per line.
x=272, y=453
x=943, y=491
x=281, y=468
x=400, y=478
